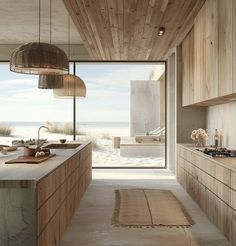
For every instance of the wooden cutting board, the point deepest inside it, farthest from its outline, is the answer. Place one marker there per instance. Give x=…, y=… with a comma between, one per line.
x=29, y=159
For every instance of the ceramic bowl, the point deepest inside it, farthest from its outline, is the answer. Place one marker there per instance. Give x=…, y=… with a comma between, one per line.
x=62, y=140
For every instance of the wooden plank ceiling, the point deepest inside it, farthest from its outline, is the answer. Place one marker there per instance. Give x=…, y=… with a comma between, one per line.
x=128, y=29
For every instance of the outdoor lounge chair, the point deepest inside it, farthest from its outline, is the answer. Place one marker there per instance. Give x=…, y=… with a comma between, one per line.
x=155, y=135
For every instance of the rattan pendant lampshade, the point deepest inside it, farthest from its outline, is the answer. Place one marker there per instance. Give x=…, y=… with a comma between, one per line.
x=39, y=58
x=50, y=81
x=73, y=86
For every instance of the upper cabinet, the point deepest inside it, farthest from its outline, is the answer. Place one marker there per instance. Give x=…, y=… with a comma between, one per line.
x=188, y=86
x=234, y=44
x=209, y=78
x=225, y=31
x=211, y=64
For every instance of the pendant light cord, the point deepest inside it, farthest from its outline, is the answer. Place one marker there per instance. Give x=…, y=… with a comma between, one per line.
x=69, y=37
x=50, y=9
x=39, y=18
x=69, y=40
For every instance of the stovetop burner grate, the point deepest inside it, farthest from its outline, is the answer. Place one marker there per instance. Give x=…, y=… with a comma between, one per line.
x=219, y=152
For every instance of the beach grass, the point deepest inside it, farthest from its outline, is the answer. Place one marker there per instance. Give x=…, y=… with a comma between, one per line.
x=66, y=128
x=94, y=142
x=5, y=130
x=106, y=136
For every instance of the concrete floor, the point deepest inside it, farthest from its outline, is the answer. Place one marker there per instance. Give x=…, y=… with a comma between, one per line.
x=91, y=224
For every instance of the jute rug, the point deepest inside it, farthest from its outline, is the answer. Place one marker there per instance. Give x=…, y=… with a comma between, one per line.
x=149, y=207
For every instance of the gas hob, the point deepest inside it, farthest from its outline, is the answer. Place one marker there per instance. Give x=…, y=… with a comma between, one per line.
x=218, y=152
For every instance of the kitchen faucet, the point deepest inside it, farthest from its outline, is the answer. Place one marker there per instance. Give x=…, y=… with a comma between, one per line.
x=38, y=140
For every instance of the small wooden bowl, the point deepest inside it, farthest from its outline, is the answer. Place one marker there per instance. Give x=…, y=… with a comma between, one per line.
x=62, y=141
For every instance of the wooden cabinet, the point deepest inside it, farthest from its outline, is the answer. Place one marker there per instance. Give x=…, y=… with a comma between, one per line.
x=187, y=85
x=199, y=56
x=213, y=67
x=59, y=195
x=225, y=82
x=210, y=42
x=212, y=186
x=234, y=44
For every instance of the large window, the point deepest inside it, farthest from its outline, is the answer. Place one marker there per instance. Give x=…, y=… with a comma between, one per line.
x=123, y=113
x=24, y=108
x=125, y=102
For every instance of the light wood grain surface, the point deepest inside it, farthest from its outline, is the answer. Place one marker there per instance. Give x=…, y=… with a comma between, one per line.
x=128, y=29
x=211, y=183
x=212, y=71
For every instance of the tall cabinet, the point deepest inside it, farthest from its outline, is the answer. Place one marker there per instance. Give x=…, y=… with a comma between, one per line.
x=225, y=34
x=208, y=68
x=188, y=85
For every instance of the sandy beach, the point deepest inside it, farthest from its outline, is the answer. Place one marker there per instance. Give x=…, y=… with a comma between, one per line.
x=103, y=153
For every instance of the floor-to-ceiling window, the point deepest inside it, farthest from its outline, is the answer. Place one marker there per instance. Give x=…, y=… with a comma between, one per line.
x=123, y=113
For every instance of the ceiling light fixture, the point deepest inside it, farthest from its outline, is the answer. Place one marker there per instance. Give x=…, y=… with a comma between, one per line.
x=161, y=31
x=39, y=58
x=50, y=81
x=73, y=86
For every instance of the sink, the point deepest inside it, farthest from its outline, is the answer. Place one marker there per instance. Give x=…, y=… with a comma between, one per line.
x=62, y=146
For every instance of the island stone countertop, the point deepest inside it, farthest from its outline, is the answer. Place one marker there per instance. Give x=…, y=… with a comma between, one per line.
x=27, y=175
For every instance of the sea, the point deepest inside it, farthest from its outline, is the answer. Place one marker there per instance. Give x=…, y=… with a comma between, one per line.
x=92, y=128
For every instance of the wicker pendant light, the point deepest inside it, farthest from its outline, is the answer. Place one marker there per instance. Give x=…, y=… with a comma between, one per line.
x=39, y=58
x=72, y=86
x=50, y=81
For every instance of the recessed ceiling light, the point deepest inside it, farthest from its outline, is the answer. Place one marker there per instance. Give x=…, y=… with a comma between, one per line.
x=161, y=31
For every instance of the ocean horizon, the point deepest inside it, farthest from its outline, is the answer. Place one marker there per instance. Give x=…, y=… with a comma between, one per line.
x=30, y=128
x=78, y=124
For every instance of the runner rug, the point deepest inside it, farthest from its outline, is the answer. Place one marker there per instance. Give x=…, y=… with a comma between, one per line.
x=149, y=207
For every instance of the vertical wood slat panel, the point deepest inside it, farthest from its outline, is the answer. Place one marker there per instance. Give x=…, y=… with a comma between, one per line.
x=225, y=47
x=56, y=212
x=127, y=29
x=212, y=188
x=214, y=62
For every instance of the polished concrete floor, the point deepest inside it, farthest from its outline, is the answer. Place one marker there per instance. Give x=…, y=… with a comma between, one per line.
x=91, y=224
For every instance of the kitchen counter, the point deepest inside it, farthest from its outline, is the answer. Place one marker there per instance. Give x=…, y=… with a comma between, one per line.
x=27, y=175
x=227, y=162
x=38, y=200
x=211, y=182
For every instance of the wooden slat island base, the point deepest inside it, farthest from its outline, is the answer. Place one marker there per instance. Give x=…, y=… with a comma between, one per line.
x=37, y=205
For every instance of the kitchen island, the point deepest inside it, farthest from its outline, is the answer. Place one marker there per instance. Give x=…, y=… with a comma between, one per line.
x=37, y=201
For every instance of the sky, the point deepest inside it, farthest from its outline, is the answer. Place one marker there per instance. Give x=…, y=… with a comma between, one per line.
x=108, y=94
